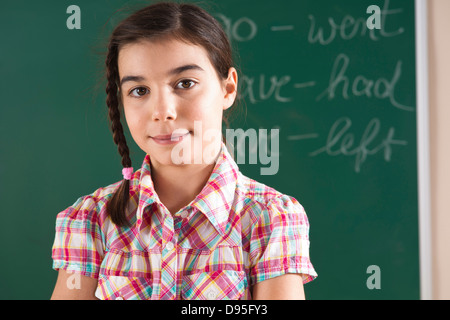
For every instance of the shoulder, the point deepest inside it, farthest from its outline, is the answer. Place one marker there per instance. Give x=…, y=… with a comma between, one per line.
x=262, y=203
x=89, y=211
x=275, y=232
x=91, y=207
x=80, y=230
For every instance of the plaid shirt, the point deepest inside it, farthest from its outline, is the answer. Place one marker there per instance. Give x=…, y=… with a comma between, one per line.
x=235, y=233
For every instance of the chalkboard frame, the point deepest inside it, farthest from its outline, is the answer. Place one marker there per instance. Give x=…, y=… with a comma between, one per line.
x=423, y=150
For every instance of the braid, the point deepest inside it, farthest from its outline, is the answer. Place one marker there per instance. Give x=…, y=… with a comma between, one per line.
x=116, y=207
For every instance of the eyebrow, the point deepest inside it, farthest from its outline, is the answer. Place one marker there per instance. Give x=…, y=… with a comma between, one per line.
x=174, y=71
x=131, y=79
x=185, y=68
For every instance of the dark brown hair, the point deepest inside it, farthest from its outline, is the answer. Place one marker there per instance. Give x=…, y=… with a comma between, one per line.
x=185, y=22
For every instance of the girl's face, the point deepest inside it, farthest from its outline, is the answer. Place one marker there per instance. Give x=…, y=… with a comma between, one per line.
x=174, y=100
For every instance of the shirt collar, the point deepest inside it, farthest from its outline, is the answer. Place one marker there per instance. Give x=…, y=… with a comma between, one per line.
x=215, y=199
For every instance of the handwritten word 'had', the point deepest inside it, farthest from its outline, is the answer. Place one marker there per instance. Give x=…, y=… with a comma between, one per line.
x=362, y=86
x=340, y=142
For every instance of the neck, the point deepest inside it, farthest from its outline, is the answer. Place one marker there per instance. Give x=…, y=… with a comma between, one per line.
x=177, y=185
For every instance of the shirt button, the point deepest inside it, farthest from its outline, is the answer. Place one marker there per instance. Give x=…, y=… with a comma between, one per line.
x=119, y=298
x=169, y=246
x=184, y=214
x=211, y=295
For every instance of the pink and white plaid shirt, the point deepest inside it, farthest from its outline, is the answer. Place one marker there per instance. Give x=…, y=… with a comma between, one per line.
x=235, y=233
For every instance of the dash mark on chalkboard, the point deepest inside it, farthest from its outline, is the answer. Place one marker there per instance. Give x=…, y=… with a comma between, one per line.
x=304, y=84
x=303, y=136
x=281, y=28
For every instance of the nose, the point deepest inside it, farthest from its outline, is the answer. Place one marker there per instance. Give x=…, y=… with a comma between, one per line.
x=163, y=107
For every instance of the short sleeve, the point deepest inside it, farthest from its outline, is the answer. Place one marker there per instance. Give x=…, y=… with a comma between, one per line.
x=280, y=242
x=78, y=244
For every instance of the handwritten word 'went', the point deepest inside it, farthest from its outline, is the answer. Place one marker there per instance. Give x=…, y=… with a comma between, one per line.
x=341, y=142
x=362, y=86
x=349, y=28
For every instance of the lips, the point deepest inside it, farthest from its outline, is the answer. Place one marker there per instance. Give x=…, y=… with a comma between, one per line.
x=164, y=137
x=169, y=138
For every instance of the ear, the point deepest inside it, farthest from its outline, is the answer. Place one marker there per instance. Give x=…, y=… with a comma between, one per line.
x=230, y=88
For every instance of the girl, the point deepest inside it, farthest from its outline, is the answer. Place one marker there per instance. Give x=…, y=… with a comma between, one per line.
x=187, y=224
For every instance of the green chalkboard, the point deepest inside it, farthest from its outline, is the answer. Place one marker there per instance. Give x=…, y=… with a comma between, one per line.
x=339, y=98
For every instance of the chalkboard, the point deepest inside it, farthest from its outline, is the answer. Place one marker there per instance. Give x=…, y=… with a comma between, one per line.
x=338, y=97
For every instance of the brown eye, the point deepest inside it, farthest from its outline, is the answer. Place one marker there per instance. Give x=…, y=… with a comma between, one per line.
x=185, y=84
x=138, y=92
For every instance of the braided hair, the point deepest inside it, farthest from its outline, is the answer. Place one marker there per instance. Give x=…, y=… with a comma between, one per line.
x=116, y=207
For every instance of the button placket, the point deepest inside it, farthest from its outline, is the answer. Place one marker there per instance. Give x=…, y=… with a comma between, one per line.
x=169, y=267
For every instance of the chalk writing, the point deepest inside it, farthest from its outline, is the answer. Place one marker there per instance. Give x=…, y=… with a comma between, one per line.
x=362, y=86
x=344, y=82
x=349, y=27
x=243, y=29
x=256, y=90
x=341, y=142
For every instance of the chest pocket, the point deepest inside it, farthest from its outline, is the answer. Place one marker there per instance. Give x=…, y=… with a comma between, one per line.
x=123, y=288
x=125, y=276
x=216, y=285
